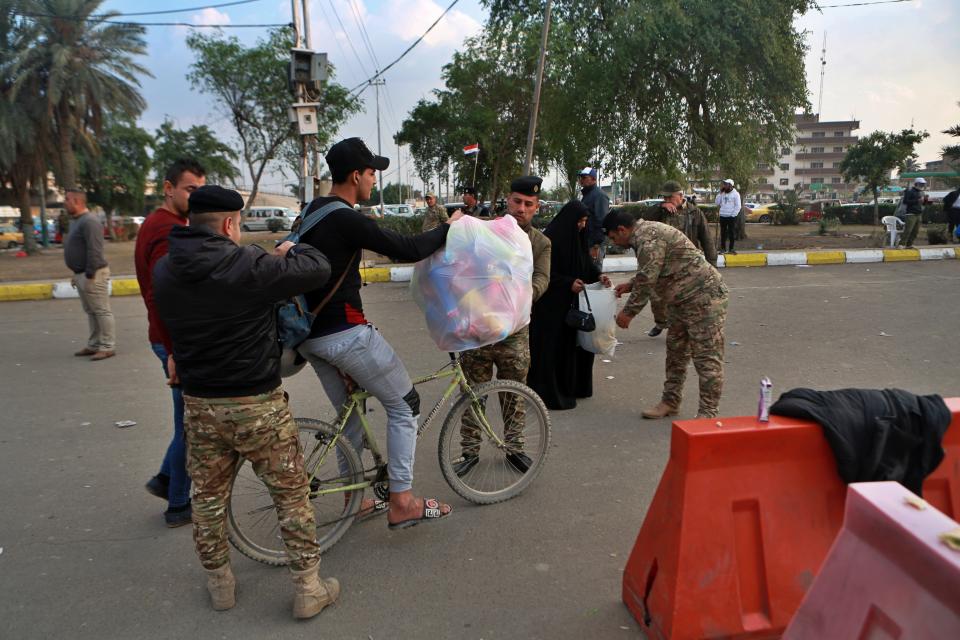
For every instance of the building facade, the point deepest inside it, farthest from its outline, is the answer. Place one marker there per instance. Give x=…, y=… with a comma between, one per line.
x=811, y=165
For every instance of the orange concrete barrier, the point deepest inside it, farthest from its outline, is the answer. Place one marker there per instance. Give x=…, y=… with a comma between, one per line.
x=741, y=521
x=887, y=575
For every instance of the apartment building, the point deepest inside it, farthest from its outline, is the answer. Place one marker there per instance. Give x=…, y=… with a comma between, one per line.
x=811, y=165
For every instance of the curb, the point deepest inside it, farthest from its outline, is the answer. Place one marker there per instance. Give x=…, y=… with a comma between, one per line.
x=614, y=264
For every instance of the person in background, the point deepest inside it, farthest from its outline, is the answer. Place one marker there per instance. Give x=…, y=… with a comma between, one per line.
x=435, y=215
x=182, y=178
x=913, y=204
x=681, y=214
x=218, y=302
x=472, y=206
x=951, y=206
x=561, y=371
x=730, y=204
x=83, y=255
x=598, y=204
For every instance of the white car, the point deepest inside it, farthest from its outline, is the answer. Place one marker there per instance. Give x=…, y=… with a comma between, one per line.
x=399, y=210
x=255, y=218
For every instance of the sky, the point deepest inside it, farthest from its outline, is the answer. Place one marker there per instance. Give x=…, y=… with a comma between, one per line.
x=888, y=65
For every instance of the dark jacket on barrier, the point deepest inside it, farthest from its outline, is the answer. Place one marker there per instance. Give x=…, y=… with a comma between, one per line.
x=218, y=301
x=875, y=435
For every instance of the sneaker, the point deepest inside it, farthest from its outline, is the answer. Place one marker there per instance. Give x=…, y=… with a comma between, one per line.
x=178, y=516
x=159, y=486
x=464, y=463
x=657, y=330
x=520, y=461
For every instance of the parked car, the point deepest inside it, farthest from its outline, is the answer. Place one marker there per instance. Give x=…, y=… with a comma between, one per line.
x=759, y=213
x=399, y=210
x=10, y=237
x=255, y=218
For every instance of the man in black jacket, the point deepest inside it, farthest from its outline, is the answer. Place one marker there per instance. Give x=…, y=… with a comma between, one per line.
x=598, y=204
x=913, y=203
x=218, y=302
x=342, y=341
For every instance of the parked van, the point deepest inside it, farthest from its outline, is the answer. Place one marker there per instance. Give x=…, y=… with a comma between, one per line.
x=255, y=218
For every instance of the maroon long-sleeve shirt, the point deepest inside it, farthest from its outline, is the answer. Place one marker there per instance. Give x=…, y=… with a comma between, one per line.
x=151, y=246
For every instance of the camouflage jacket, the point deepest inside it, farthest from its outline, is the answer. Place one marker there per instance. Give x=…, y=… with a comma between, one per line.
x=434, y=217
x=541, y=261
x=669, y=264
x=691, y=221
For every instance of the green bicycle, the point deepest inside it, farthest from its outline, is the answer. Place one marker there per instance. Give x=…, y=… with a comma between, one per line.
x=495, y=421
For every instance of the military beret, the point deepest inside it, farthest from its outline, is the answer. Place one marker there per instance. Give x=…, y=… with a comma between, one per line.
x=215, y=199
x=471, y=190
x=527, y=185
x=670, y=187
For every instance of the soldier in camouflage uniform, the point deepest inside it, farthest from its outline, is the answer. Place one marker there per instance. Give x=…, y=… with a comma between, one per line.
x=696, y=301
x=679, y=213
x=512, y=354
x=435, y=215
x=218, y=303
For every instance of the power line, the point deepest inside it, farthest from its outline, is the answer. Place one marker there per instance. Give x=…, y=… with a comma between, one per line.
x=154, y=24
x=336, y=15
x=157, y=13
x=861, y=4
x=363, y=34
x=367, y=82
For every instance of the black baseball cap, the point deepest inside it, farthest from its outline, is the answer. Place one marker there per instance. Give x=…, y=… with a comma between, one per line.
x=352, y=155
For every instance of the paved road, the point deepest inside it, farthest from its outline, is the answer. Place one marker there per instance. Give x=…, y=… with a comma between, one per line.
x=85, y=553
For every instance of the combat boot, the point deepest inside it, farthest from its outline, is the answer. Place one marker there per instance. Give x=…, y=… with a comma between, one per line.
x=311, y=593
x=221, y=585
x=662, y=410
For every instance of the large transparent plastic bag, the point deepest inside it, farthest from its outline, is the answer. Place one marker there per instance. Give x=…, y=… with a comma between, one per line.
x=477, y=290
x=603, y=304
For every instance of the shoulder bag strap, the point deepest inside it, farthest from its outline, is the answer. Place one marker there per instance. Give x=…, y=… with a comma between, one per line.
x=310, y=220
x=587, y=298
x=329, y=295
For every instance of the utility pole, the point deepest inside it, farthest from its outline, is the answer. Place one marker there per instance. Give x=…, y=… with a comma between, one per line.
x=823, y=71
x=535, y=108
x=308, y=70
x=378, y=82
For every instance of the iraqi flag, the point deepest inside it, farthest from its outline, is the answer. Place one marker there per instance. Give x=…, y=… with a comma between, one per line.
x=471, y=148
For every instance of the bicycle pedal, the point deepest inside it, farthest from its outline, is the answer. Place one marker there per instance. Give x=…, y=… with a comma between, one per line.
x=382, y=489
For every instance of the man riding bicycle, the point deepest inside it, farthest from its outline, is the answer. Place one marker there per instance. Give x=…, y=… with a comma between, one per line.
x=342, y=342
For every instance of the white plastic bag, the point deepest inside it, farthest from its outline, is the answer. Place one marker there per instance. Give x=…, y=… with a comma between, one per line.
x=478, y=289
x=603, y=304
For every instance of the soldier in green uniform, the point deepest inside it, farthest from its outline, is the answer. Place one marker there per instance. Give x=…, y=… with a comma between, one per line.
x=218, y=301
x=512, y=354
x=472, y=206
x=679, y=213
x=435, y=215
x=696, y=302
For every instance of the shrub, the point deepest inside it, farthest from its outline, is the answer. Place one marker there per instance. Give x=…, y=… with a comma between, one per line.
x=406, y=226
x=827, y=226
x=275, y=225
x=934, y=214
x=937, y=234
x=786, y=214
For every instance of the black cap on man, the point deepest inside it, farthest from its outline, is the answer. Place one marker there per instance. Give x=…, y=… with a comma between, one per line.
x=351, y=155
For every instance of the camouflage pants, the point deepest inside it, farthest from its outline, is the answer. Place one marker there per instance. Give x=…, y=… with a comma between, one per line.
x=659, y=309
x=221, y=433
x=696, y=330
x=512, y=359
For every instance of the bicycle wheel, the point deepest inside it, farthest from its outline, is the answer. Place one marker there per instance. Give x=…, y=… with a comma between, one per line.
x=518, y=418
x=252, y=524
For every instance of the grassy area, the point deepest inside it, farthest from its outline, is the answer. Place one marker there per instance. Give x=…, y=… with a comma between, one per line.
x=49, y=264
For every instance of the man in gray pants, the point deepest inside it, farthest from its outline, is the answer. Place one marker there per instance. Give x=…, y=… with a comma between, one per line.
x=83, y=253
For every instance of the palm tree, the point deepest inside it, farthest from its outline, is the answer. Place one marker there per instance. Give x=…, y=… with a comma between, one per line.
x=85, y=67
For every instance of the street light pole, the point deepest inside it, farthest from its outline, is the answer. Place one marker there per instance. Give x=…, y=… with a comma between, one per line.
x=535, y=108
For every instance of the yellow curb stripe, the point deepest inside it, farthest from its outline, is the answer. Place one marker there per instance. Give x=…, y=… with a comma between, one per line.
x=900, y=255
x=826, y=257
x=745, y=260
x=26, y=292
x=128, y=287
x=956, y=250
x=375, y=274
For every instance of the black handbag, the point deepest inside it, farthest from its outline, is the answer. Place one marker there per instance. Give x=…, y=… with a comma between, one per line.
x=581, y=320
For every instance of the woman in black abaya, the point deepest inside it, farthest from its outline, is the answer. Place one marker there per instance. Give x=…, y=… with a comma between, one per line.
x=560, y=371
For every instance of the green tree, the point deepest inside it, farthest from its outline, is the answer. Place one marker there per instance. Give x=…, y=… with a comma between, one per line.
x=86, y=69
x=391, y=194
x=198, y=142
x=251, y=88
x=951, y=153
x=116, y=178
x=653, y=84
x=23, y=145
x=875, y=156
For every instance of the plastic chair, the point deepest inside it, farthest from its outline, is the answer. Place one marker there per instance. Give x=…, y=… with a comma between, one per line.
x=894, y=226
